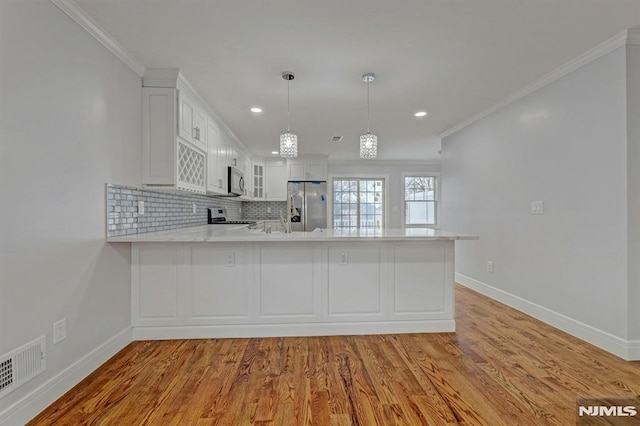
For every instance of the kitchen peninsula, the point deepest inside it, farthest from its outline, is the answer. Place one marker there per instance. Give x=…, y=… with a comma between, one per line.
x=206, y=282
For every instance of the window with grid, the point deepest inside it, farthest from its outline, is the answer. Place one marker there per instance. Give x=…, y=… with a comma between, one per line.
x=358, y=203
x=420, y=201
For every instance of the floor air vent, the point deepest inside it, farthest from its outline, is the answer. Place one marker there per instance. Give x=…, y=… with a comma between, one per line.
x=21, y=365
x=336, y=138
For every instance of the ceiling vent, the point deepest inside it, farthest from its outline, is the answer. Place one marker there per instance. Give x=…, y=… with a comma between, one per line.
x=336, y=138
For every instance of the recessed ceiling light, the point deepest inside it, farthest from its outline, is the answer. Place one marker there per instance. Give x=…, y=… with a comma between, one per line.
x=420, y=114
x=275, y=152
x=256, y=109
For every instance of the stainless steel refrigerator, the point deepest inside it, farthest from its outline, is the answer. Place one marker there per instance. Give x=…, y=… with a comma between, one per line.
x=309, y=199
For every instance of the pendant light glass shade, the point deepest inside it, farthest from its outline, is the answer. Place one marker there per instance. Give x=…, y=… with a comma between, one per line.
x=288, y=140
x=288, y=145
x=368, y=146
x=368, y=141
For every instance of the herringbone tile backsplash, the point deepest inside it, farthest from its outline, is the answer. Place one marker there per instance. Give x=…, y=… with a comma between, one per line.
x=263, y=210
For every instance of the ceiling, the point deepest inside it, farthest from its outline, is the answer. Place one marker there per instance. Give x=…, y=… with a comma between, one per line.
x=451, y=58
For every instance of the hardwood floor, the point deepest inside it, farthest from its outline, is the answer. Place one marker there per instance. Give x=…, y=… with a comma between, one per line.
x=500, y=368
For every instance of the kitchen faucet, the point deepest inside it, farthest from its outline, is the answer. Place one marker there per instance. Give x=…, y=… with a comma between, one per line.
x=286, y=223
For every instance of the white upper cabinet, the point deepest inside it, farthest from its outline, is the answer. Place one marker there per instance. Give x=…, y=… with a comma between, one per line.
x=192, y=121
x=167, y=161
x=232, y=156
x=216, y=170
x=201, y=123
x=245, y=166
x=183, y=146
x=224, y=160
x=257, y=174
x=223, y=166
x=186, y=127
x=301, y=169
x=275, y=181
x=296, y=170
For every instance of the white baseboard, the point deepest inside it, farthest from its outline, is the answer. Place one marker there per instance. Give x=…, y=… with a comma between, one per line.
x=272, y=330
x=628, y=350
x=40, y=398
x=634, y=350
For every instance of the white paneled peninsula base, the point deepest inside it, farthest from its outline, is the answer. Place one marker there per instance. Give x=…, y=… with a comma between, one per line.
x=302, y=284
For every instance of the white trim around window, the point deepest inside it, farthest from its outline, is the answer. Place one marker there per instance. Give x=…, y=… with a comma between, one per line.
x=438, y=202
x=330, y=179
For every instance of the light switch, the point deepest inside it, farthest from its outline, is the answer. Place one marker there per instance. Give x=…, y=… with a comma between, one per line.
x=537, y=207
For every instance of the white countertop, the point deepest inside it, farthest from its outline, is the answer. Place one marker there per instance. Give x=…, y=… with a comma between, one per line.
x=214, y=234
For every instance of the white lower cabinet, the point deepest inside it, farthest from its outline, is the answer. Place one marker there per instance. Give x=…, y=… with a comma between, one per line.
x=155, y=287
x=289, y=284
x=357, y=274
x=216, y=285
x=418, y=273
x=252, y=289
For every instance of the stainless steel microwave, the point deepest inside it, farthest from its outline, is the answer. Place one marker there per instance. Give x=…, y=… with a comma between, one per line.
x=235, y=178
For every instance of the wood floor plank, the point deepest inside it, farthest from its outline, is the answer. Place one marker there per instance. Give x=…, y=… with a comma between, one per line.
x=501, y=367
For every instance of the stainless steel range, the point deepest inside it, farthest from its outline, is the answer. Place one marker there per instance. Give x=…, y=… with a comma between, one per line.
x=218, y=216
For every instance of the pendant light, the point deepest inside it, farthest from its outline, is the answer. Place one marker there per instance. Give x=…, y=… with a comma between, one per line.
x=288, y=140
x=368, y=141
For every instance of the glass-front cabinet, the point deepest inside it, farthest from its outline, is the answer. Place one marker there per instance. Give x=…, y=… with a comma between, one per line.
x=258, y=181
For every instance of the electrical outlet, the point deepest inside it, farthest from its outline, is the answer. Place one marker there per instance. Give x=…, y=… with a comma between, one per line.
x=231, y=259
x=490, y=266
x=195, y=208
x=537, y=207
x=268, y=209
x=59, y=331
x=140, y=208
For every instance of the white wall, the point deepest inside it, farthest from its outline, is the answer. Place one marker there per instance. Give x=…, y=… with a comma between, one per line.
x=633, y=183
x=394, y=185
x=564, y=144
x=70, y=120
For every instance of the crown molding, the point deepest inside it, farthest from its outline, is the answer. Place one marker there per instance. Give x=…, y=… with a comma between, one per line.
x=633, y=35
x=85, y=21
x=626, y=37
x=156, y=76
